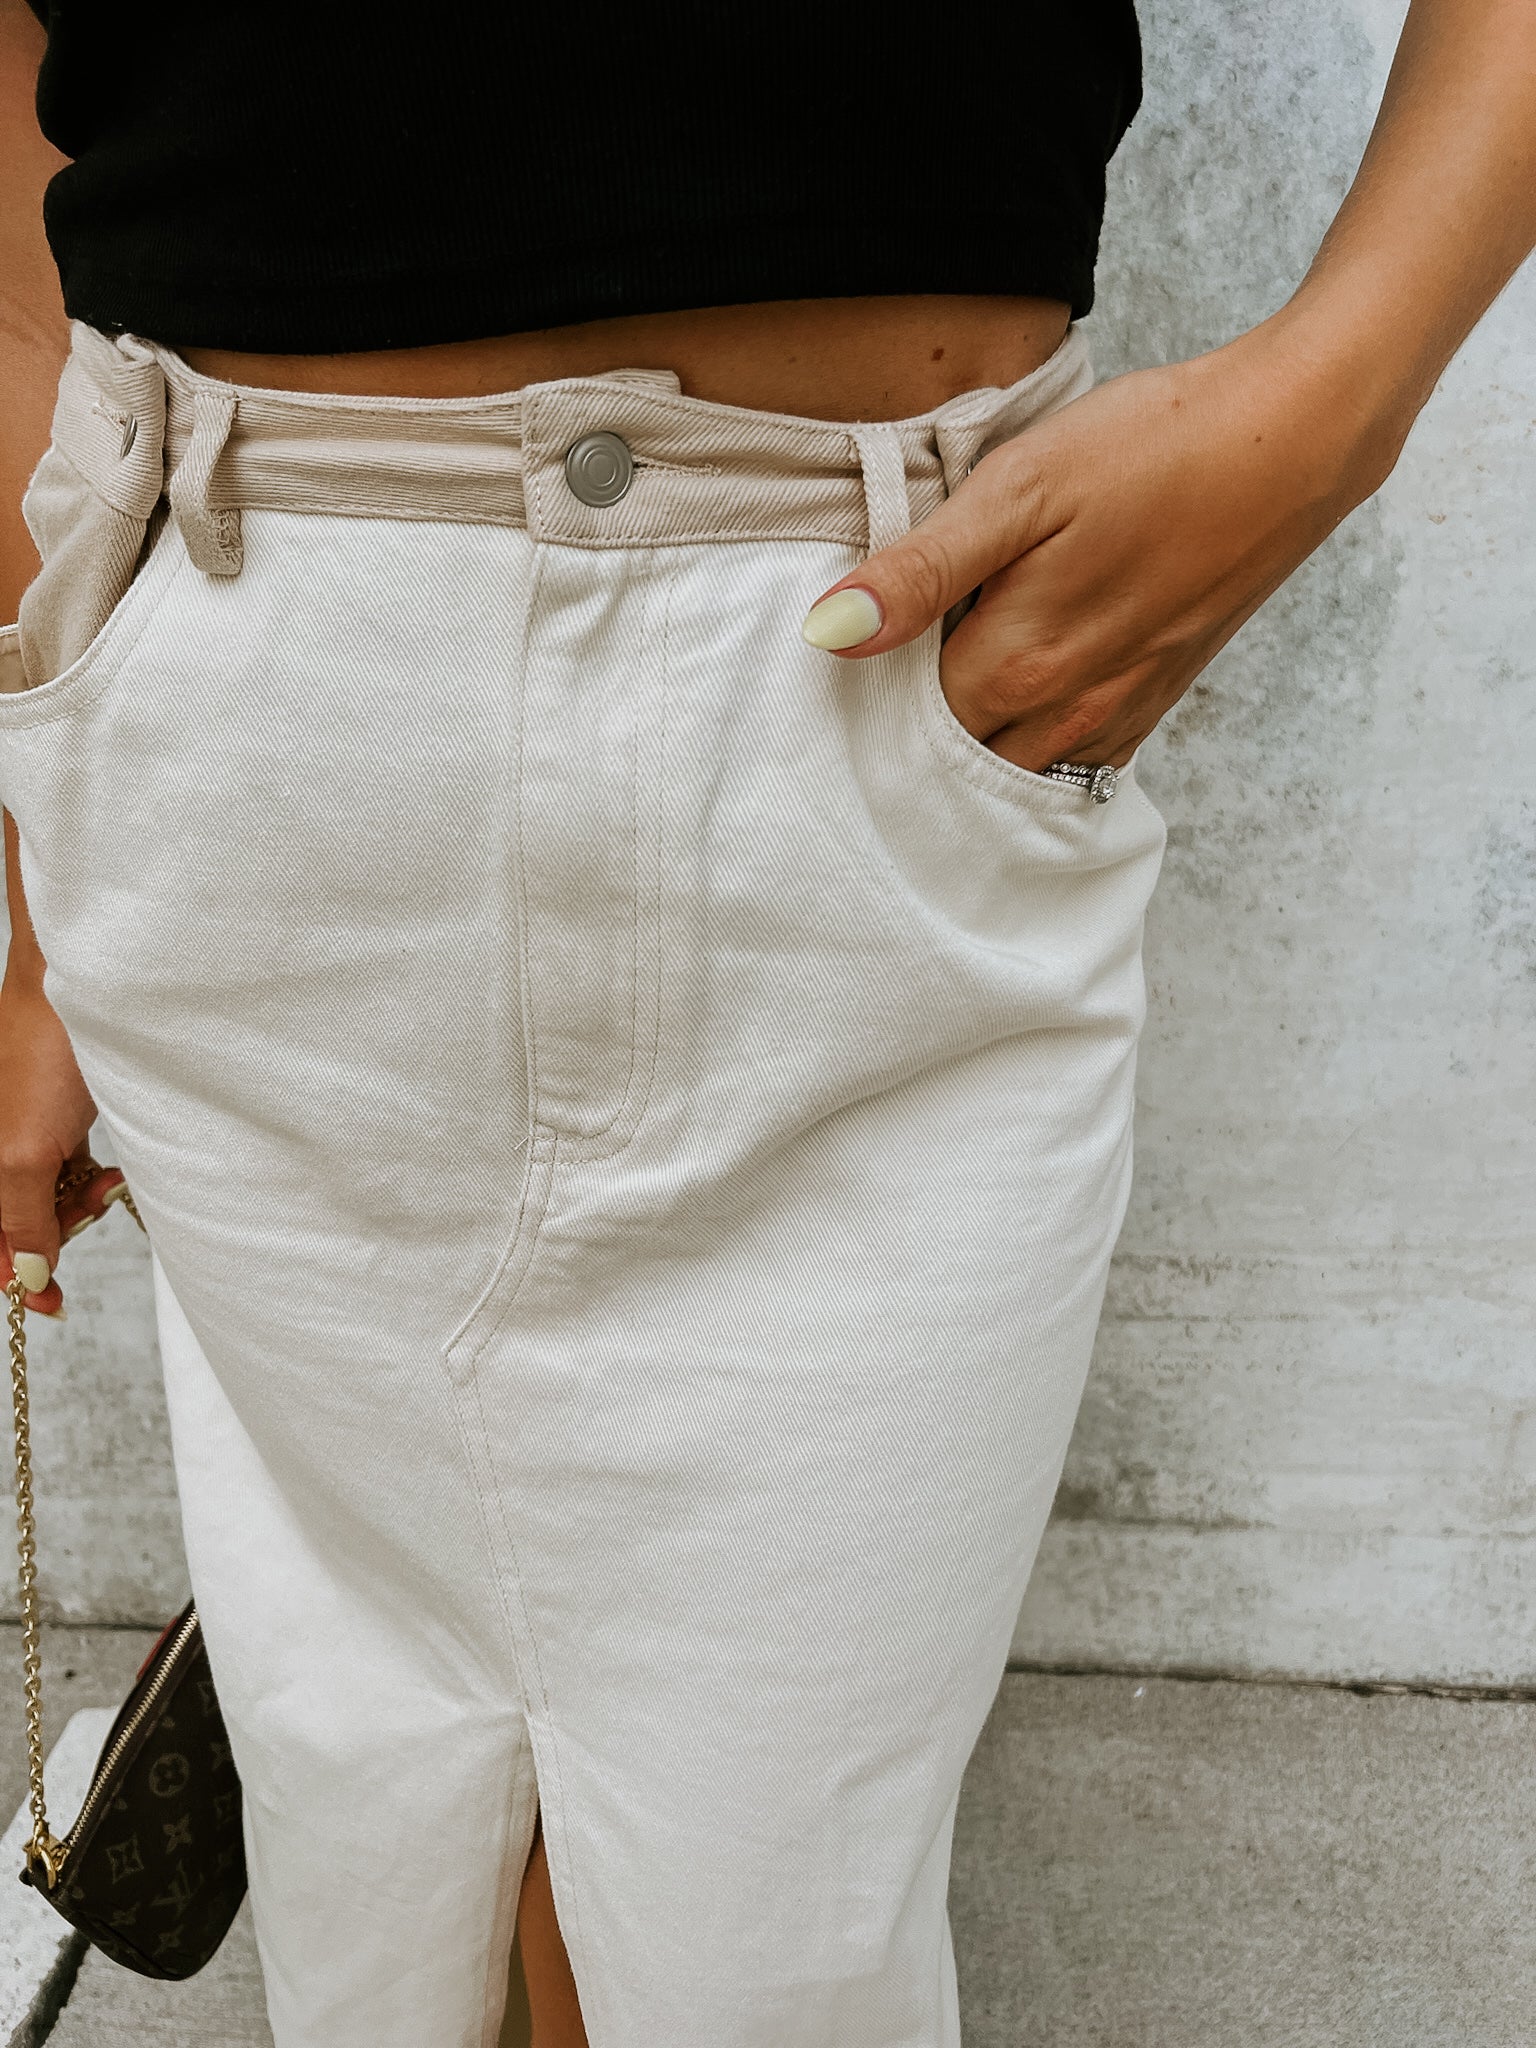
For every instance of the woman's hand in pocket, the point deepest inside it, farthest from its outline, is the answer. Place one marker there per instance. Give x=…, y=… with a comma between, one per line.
x=1120, y=542
x=46, y=1112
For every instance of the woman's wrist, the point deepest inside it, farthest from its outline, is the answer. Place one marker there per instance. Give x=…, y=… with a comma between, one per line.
x=1341, y=385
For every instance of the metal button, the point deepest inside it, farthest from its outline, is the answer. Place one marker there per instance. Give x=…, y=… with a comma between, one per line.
x=599, y=469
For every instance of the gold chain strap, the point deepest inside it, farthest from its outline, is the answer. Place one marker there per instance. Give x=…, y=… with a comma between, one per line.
x=45, y=1852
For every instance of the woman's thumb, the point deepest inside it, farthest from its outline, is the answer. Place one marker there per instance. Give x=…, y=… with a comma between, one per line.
x=31, y=1233
x=993, y=517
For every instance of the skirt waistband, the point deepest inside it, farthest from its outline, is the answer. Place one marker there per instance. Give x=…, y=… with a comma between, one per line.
x=139, y=424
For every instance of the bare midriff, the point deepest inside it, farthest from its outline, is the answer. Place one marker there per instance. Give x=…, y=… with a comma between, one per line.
x=830, y=359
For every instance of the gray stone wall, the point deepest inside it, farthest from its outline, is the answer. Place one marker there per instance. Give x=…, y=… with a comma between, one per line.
x=1309, y=1440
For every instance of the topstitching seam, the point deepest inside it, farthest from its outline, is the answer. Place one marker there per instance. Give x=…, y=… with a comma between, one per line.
x=987, y=771
x=513, y=1247
x=632, y=1104
x=536, y=1670
x=80, y=684
x=627, y=1084
x=842, y=533
x=1006, y=781
x=530, y=968
x=524, y=930
x=522, y=1638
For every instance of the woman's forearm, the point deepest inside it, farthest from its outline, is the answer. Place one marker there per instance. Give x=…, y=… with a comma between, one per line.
x=1120, y=543
x=1442, y=211
x=34, y=336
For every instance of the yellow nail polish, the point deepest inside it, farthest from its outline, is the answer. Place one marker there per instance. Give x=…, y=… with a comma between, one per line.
x=845, y=619
x=32, y=1270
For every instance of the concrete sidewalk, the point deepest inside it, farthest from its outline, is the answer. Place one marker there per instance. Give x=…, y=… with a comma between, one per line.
x=1164, y=1864
x=1139, y=1864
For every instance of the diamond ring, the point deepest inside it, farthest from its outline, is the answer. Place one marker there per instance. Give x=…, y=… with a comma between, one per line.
x=1100, y=783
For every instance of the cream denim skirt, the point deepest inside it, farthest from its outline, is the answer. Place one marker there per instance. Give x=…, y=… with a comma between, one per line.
x=632, y=1115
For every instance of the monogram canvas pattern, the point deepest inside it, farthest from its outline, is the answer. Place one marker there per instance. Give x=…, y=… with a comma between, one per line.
x=158, y=1872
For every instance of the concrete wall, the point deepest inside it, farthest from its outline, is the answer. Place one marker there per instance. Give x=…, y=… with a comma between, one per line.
x=1309, y=1442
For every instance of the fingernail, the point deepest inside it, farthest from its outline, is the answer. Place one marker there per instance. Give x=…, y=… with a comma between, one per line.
x=32, y=1270
x=75, y=1229
x=115, y=1193
x=54, y=1315
x=845, y=619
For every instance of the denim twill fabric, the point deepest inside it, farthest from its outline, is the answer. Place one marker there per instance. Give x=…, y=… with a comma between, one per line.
x=632, y=1115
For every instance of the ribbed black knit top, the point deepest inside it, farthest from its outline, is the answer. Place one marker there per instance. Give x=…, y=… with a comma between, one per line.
x=264, y=174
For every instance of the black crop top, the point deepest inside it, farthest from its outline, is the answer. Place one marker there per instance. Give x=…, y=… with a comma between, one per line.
x=308, y=178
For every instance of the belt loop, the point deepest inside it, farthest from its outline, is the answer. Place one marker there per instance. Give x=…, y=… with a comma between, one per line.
x=884, y=464
x=957, y=444
x=212, y=535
